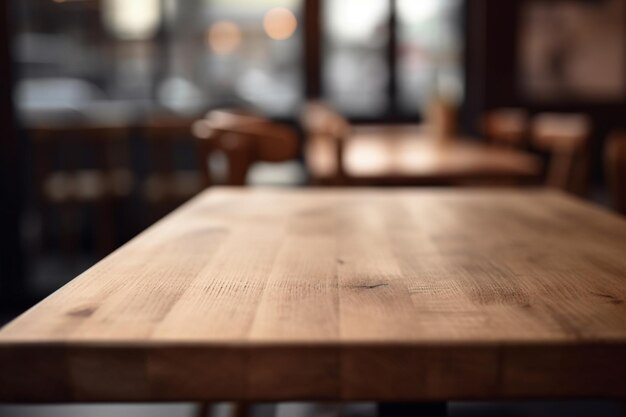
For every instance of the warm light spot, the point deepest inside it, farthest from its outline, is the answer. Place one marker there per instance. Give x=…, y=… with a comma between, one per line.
x=132, y=20
x=202, y=129
x=280, y=23
x=224, y=37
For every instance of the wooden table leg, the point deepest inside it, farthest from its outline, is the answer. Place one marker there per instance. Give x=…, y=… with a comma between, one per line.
x=203, y=410
x=430, y=409
x=241, y=409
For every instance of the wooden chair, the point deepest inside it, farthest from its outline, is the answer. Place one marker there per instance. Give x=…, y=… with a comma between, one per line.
x=172, y=178
x=507, y=127
x=615, y=166
x=325, y=128
x=245, y=139
x=565, y=137
x=79, y=167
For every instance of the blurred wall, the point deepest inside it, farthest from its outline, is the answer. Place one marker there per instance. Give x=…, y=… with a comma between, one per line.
x=493, y=72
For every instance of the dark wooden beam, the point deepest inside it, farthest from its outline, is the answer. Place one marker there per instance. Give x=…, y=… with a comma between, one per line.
x=501, y=23
x=474, y=65
x=11, y=280
x=392, y=60
x=312, y=48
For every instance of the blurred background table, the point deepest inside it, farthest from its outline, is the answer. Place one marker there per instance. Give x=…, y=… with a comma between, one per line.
x=412, y=155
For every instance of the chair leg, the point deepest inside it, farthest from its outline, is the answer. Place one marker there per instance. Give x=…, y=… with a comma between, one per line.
x=105, y=228
x=431, y=409
x=203, y=409
x=241, y=409
x=70, y=228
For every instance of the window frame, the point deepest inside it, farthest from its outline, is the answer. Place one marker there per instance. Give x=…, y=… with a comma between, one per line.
x=314, y=59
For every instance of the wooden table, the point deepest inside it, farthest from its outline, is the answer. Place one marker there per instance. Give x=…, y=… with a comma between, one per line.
x=410, y=155
x=396, y=295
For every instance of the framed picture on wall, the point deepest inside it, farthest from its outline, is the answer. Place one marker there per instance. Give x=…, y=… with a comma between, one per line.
x=573, y=50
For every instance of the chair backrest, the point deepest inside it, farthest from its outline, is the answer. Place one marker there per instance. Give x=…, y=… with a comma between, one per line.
x=163, y=136
x=320, y=120
x=66, y=151
x=235, y=117
x=325, y=127
x=565, y=137
x=615, y=167
x=246, y=139
x=506, y=127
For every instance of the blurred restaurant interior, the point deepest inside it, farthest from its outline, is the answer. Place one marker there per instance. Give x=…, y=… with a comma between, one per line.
x=115, y=112
x=115, y=103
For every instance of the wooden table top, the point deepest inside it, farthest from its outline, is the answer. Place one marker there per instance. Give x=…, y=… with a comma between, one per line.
x=339, y=294
x=408, y=154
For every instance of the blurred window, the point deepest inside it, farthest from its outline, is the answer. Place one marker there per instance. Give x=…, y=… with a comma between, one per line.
x=429, y=53
x=234, y=52
x=355, y=69
x=185, y=55
x=362, y=79
x=191, y=55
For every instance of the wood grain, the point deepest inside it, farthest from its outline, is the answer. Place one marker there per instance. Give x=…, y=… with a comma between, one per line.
x=388, y=295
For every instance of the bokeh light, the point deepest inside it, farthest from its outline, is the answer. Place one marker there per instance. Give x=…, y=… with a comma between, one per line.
x=224, y=37
x=280, y=23
x=132, y=20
